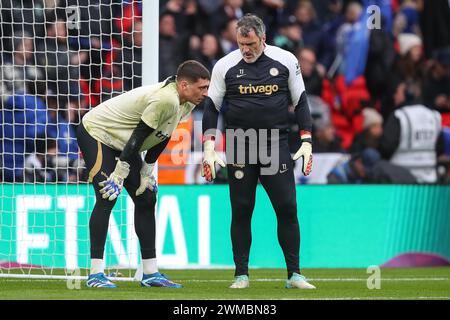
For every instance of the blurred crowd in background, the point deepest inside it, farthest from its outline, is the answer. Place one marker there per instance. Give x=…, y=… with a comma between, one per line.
x=369, y=84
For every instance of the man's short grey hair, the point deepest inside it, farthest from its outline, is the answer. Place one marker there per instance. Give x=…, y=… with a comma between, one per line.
x=251, y=22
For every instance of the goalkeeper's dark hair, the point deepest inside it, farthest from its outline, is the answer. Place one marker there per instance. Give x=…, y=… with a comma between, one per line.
x=192, y=71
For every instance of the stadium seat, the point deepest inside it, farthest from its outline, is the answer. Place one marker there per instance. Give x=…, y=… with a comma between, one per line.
x=346, y=104
x=354, y=96
x=445, y=119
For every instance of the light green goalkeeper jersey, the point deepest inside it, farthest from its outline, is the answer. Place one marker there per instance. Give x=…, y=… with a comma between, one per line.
x=113, y=121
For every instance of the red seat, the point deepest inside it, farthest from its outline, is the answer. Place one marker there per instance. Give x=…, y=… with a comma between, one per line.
x=352, y=96
x=357, y=123
x=328, y=93
x=343, y=128
x=130, y=13
x=445, y=119
x=346, y=116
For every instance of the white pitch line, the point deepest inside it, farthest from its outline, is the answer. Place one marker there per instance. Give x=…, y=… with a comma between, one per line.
x=25, y=278
x=382, y=279
x=324, y=279
x=339, y=298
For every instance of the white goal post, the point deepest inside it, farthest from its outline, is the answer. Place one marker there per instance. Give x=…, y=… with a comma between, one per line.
x=58, y=59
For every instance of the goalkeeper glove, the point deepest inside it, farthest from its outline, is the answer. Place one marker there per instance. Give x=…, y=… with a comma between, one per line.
x=210, y=157
x=112, y=187
x=305, y=151
x=148, y=180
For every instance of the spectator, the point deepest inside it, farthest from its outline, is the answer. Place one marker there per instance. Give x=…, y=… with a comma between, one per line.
x=325, y=138
x=380, y=61
x=231, y=9
x=209, y=6
x=93, y=27
x=64, y=153
x=14, y=21
x=388, y=102
x=409, y=66
x=131, y=57
x=172, y=46
x=61, y=62
x=111, y=83
x=371, y=134
x=289, y=35
x=20, y=71
x=313, y=35
x=368, y=167
x=40, y=167
x=435, y=24
x=69, y=117
x=412, y=136
x=355, y=170
x=184, y=13
x=321, y=8
x=209, y=52
x=45, y=46
x=127, y=12
x=23, y=121
x=436, y=89
x=61, y=127
x=332, y=11
x=352, y=15
x=271, y=11
x=307, y=19
x=407, y=19
x=228, y=41
x=329, y=34
x=385, y=172
x=308, y=64
x=320, y=113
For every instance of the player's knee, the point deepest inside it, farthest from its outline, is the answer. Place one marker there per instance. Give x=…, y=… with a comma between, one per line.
x=243, y=204
x=104, y=206
x=242, y=210
x=287, y=210
x=145, y=202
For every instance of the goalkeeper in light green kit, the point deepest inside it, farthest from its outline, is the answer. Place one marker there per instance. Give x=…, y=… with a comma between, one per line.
x=111, y=138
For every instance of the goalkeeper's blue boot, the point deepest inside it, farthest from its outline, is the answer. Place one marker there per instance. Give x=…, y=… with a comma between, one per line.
x=297, y=281
x=158, y=280
x=99, y=280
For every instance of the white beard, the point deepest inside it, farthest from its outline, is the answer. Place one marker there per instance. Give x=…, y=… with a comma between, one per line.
x=253, y=59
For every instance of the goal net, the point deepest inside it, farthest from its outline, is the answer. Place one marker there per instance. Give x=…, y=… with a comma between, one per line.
x=59, y=58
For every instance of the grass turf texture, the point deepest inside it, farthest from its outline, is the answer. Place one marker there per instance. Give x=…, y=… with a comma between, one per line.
x=410, y=283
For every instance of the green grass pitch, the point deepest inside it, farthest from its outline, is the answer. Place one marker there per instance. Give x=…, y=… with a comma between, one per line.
x=265, y=284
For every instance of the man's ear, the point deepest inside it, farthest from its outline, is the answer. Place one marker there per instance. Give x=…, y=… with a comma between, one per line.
x=184, y=84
